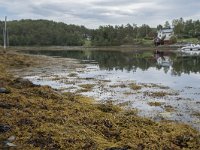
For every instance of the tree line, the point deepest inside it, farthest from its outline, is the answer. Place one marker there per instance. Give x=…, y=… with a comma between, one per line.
x=43, y=32
x=119, y=35
x=47, y=33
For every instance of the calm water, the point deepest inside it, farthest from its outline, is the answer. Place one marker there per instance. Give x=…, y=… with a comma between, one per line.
x=113, y=72
x=178, y=71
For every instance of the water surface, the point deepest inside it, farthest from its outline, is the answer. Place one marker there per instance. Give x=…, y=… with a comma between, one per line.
x=113, y=71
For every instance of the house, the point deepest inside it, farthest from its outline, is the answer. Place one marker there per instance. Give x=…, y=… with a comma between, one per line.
x=165, y=34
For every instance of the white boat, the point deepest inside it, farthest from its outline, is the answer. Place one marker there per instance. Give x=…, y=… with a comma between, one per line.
x=191, y=47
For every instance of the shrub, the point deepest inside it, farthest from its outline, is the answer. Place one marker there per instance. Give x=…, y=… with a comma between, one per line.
x=173, y=39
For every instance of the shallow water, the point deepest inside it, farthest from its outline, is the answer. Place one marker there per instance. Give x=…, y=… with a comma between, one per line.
x=112, y=72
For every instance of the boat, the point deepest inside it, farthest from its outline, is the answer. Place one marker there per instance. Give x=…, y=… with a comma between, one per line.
x=191, y=47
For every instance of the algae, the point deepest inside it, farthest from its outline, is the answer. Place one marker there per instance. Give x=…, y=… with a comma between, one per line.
x=42, y=118
x=155, y=103
x=134, y=86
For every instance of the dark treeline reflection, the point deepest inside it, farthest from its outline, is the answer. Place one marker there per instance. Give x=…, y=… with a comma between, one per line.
x=130, y=61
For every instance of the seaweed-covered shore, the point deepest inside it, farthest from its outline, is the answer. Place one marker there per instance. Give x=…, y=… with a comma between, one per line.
x=38, y=117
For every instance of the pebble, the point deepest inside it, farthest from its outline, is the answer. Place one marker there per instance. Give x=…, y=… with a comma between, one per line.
x=8, y=144
x=4, y=90
x=11, y=139
x=4, y=128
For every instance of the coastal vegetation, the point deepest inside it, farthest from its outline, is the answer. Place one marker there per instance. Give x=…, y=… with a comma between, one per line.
x=49, y=33
x=48, y=119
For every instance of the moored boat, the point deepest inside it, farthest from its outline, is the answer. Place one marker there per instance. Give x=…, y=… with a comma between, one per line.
x=191, y=47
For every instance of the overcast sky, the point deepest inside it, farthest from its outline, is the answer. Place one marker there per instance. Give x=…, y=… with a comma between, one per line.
x=93, y=13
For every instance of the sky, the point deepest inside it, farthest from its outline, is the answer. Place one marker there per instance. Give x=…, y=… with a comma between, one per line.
x=93, y=13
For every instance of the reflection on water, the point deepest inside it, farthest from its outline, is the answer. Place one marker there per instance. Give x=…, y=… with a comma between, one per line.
x=131, y=61
x=172, y=69
x=112, y=73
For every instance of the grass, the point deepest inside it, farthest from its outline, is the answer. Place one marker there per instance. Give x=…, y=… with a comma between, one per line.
x=189, y=40
x=42, y=118
x=87, y=43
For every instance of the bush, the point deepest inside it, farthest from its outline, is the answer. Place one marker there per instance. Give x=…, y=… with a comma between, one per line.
x=173, y=39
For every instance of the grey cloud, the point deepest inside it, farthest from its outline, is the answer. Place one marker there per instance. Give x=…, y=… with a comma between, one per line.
x=116, y=2
x=94, y=13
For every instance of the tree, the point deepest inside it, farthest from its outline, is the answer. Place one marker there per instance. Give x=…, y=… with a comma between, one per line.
x=178, y=25
x=159, y=27
x=167, y=25
x=44, y=32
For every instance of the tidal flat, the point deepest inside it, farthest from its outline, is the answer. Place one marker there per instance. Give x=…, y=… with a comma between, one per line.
x=42, y=117
x=137, y=78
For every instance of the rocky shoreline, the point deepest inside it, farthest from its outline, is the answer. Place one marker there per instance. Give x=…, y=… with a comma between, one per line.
x=39, y=117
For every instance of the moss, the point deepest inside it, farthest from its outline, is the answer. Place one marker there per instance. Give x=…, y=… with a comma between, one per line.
x=42, y=118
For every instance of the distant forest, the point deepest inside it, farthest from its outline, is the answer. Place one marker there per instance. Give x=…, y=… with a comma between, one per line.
x=49, y=33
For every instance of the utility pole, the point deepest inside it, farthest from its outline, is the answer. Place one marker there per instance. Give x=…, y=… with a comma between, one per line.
x=5, y=33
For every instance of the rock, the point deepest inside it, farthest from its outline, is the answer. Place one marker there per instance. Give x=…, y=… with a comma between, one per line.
x=21, y=83
x=4, y=128
x=11, y=139
x=4, y=90
x=8, y=144
x=6, y=106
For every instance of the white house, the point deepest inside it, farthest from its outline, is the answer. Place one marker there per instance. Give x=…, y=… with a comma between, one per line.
x=165, y=34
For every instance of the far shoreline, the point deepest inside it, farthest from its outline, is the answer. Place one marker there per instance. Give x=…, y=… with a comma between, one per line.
x=122, y=48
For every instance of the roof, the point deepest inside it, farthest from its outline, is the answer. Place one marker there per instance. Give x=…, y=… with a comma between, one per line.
x=166, y=30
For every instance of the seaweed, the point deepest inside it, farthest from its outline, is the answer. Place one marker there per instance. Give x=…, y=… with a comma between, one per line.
x=42, y=118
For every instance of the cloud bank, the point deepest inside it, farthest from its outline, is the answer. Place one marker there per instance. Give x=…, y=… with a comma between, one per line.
x=93, y=13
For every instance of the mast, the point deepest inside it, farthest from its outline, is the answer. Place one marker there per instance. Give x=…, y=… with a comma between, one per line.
x=5, y=33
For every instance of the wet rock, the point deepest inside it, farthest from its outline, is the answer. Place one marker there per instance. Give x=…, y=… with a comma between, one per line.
x=21, y=83
x=4, y=128
x=8, y=144
x=4, y=90
x=11, y=139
